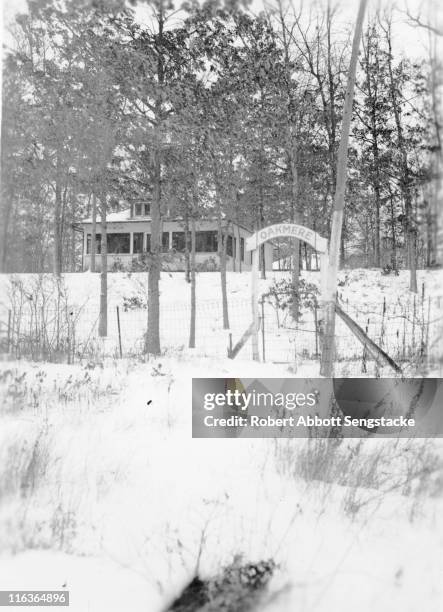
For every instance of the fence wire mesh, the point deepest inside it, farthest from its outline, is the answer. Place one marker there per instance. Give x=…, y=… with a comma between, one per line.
x=408, y=329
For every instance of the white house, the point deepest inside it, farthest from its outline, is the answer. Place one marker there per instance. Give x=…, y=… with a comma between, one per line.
x=129, y=234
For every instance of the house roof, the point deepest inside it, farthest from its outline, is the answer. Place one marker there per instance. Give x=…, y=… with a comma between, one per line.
x=124, y=216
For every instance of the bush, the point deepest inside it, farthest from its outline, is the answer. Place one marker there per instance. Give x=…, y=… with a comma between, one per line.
x=281, y=295
x=239, y=588
x=117, y=265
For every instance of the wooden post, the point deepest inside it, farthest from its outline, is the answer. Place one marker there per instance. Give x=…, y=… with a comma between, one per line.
x=316, y=326
x=263, y=328
x=324, y=265
x=254, y=302
x=376, y=351
x=240, y=344
x=119, y=332
x=327, y=358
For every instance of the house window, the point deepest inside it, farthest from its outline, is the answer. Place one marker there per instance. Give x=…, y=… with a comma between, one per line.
x=142, y=209
x=118, y=243
x=179, y=241
x=98, y=243
x=206, y=242
x=231, y=246
x=242, y=249
x=148, y=243
x=138, y=242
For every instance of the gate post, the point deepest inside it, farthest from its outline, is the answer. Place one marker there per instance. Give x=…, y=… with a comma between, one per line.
x=254, y=302
x=324, y=261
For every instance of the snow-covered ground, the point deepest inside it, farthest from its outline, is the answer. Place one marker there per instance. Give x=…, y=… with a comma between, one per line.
x=110, y=496
x=394, y=317
x=104, y=492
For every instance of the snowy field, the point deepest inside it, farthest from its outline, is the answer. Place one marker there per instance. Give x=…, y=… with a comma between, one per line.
x=111, y=497
x=104, y=492
x=382, y=305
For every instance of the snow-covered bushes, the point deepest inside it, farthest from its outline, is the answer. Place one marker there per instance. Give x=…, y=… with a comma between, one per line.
x=42, y=320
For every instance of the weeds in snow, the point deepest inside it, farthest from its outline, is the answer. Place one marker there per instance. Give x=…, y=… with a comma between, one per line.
x=368, y=469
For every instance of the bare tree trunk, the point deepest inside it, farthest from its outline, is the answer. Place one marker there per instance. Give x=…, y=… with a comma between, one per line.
x=239, y=248
x=435, y=207
x=193, y=287
x=153, y=335
x=222, y=240
x=393, y=232
x=57, y=218
x=261, y=203
x=342, y=243
x=93, y=232
x=72, y=262
x=405, y=182
x=332, y=90
x=429, y=243
x=292, y=154
x=6, y=216
x=103, y=319
x=187, y=250
x=373, y=101
x=327, y=358
x=63, y=249
x=295, y=275
x=7, y=198
x=377, y=249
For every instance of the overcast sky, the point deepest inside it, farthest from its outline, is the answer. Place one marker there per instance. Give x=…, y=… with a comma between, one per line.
x=409, y=40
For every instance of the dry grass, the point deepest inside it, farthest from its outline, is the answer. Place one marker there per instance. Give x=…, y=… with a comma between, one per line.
x=367, y=469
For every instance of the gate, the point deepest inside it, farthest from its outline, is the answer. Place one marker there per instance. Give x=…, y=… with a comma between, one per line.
x=283, y=338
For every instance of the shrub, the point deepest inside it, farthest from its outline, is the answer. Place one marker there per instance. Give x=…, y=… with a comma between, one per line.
x=281, y=295
x=117, y=265
x=240, y=586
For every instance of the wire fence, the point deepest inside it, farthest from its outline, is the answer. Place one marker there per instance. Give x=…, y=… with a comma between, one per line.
x=73, y=333
x=408, y=329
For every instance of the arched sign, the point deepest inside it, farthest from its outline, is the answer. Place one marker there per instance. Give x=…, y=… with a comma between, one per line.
x=290, y=230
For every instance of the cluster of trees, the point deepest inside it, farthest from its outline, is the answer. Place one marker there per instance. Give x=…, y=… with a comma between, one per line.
x=208, y=108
